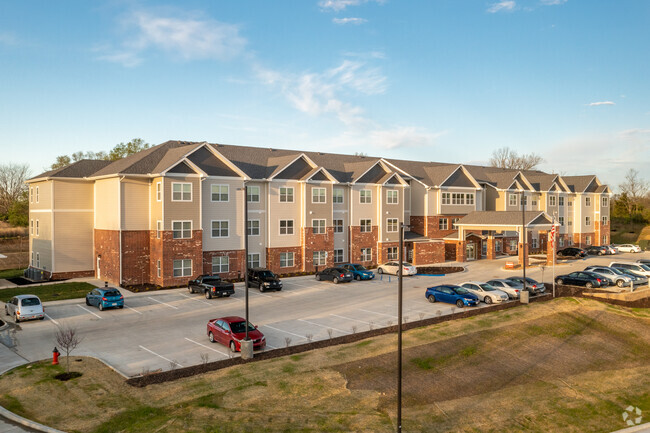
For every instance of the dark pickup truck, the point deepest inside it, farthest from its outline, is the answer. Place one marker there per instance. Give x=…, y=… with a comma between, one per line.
x=211, y=285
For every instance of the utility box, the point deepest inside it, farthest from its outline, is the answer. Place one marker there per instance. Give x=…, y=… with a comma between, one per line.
x=246, y=349
x=524, y=296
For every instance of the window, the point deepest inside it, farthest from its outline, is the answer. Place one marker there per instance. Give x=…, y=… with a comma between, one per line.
x=453, y=223
x=366, y=226
x=38, y=260
x=253, y=194
x=320, y=258
x=587, y=221
x=286, y=195
x=31, y=227
x=31, y=200
x=220, y=229
x=158, y=191
x=36, y=194
x=561, y=220
x=560, y=201
x=469, y=198
x=534, y=243
x=286, y=227
x=158, y=229
x=392, y=253
x=446, y=198
x=551, y=200
x=391, y=225
x=220, y=264
x=181, y=192
x=604, y=219
x=337, y=195
x=497, y=246
x=37, y=228
x=457, y=198
x=366, y=254
x=534, y=201
x=254, y=260
x=338, y=255
x=588, y=240
x=286, y=260
x=604, y=202
x=219, y=192
x=182, y=229
x=570, y=242
x=513, y=244
x=183, y=268
x=442, y=224
x=569, y=203
x=524, y=200
x=318, y=226
x=338, y=226
x=561, y=242
x=392, y=197
x=569, y=221
x=512, y=199
x=365, y=196
x=604, y=240
x=158, y=268
x=253, y=227
x=32, y=258
x=318, y=195
x=587, y=201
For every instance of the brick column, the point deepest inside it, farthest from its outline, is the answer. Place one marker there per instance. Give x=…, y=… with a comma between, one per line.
x=460, y=251
x=491, y=253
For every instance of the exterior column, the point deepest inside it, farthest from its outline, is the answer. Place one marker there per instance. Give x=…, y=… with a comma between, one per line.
x=491, y=253
x=460, y=251
x=550, y=256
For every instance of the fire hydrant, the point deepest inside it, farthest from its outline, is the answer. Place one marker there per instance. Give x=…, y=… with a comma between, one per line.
x=55, y=356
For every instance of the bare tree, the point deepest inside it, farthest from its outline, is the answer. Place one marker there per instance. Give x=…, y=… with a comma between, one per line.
x=120, y=151
x=12, y=184
x=635, y=188
x=509, y=158
x=68, y=340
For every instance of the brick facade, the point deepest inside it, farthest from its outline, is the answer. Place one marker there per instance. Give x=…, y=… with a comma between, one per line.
x=107, y=247
x=317, y=242
x=68, y=275
x=580, y=239
x=177, y=249
x=273, y=259
x=417, y=224
x=425, y=253
x=432, y=229
x=382, y=253
x=136, y=263
x=236, y=263
x=360, y=240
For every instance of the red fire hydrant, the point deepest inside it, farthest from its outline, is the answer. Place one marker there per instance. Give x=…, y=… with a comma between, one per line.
x=55, y=356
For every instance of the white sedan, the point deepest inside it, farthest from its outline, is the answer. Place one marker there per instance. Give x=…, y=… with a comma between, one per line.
x=393, y=268
x=485, y=292
x=628, y=248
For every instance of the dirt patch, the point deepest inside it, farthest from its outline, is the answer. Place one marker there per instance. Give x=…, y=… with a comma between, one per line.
x=439, y=269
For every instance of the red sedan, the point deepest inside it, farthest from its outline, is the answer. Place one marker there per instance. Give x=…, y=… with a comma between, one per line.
x=230, y=331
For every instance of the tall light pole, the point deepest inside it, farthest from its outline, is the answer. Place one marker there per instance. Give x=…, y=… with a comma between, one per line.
x=399, y=327
x=246, y=343
x=523, y=236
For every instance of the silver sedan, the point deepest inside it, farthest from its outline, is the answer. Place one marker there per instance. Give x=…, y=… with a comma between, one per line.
x=485, y=292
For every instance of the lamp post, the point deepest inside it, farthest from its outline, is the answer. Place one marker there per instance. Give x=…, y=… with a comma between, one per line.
x=246, y=343
x=523, y=237
x=399, y=327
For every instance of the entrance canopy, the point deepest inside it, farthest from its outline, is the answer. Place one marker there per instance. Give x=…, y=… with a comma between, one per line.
x=501, y=221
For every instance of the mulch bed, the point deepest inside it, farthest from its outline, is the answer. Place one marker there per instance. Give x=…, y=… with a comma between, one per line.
x=439, y=269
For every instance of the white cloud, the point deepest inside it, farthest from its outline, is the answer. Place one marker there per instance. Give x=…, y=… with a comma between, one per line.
x=184, y=37
x=553, y=2
x=505, y=5
x=356, y=21
x=596, y=104
x=339, y=5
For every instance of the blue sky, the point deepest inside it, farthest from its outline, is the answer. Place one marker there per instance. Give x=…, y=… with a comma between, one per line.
x=439, y=80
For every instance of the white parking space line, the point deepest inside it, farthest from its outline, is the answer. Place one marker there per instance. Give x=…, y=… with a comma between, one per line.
x=164, y=303
x=256, y=293
x=54, y=321
x=210, y=348
x=349, y=318
x=194, y=299
x=131, y=308
x=324, y=326
x=160, y=356
x=375, y=312
x=286, y=332
x=88, y=311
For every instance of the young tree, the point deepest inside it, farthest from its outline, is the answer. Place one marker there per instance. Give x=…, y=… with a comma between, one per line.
x=509, y=158
x=68, y=340
x=12, y=185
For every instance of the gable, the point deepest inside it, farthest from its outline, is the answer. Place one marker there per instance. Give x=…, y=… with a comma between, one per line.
x=393, y=181
x=210, y=164
x=522, y=181
x=296, y=170
x=542, y=219
x=593, y=186
x=182, y=168
x=459, y=178
x=373, y=175
x=554, y=188
x=319, y=176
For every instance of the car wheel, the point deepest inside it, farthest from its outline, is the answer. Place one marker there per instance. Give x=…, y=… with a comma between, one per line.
x=16, y=319
x=121, y=306
x=211, y=337
x=600, y=253
x=100, y=306
x=619, y=283
x=357, y=277
x=460, y=304
x=317, y=277
x=335, y=280
x=560, y=281
x=87, y=301
x=487, y=300
x=261, y=287
x=589, y=285
x=233, y=347
x=577, y=256
x=208, y=294
x=380, y=271
x=41, y=318
x=431, y=298
x=189, y=289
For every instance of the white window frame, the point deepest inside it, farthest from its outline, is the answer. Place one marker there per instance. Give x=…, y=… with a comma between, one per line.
x=219, y=229
x=587, y=201
x=453, y=223
x=498, y=245
x=37, y=195
x=560, y=201
x=38, y=228
x=287, y=228
x=338, y=225
x=250, y=195
x=588, y=239
x=604, y=201
x=569, y=221
x=392, y=225
x=561, y=221
x=220, y=267
x=38, y=260
x=31, y=227
x=253, y=229
x=219, y=193
x=288, y=260
x=365, y=225
x=552, y=200
x=158, y=191
x=587, y=221
x=183, y=269
x=182, y=191
x=443, y=226
x=392, y=253
x=318, y=195
x=392, y=196
x=469, y=199
x=534, y=243
x=254, y=258
x=159, y=228
x=337, y=195
x=365, y=196
x=319, y=226
x=287, y=194
x=31, y=199
x=320, y=258
x=339, y=255
x=604, y=220
x=158, y=268
x=561, y=242
x=32, y=260
x=512, y=199
x=446, y=198
x=182, y=229
x=366, y=254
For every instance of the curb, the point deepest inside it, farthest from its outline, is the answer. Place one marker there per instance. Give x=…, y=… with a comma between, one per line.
x=642, y=428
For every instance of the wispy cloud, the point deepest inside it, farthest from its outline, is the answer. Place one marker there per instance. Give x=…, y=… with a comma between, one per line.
x=339, y=5
x=185, y=38
x=355, y=21
x=596, y=104
x=553, y=2
x=403, y=136
x=8, y=39
x=505, y=5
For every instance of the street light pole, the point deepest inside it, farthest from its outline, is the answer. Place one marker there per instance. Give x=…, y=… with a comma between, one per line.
x=523, y=236
x=399, y=327
x=246, y=254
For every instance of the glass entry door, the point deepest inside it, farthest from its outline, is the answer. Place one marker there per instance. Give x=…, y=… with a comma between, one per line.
x=470, y=251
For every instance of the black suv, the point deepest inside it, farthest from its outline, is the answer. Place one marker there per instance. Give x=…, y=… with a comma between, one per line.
x=572, y=252
x=263, y=279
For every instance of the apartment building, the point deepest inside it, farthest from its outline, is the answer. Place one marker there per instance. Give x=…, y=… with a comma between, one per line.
x=176, y=210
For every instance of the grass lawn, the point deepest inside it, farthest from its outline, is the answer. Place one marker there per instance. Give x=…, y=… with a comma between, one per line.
x=566, y=365
x=11, y=273
x=49, y=292
x=629, y=233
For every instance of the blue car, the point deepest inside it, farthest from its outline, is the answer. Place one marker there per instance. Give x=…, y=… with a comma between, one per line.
x=105, y=298
x=358, y=271
x=452, y=294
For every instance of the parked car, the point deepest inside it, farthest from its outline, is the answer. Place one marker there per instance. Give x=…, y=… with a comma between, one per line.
x=485, y=292
x=637, y=280
x=336, y=275
x=263, y=279
x=644, y=261
x=629, y=248
x=596, y=250
x=637, y=268
x=359, y=272
x=393, y=268
x=452, y=294
x=611, y=249
x=572, y=252
x=512, y=288
x=106, y=297
x=581, y=278
x=616, y=278
x=211, y=285
x=25, y=307
x=532, y=286
x=231, y=330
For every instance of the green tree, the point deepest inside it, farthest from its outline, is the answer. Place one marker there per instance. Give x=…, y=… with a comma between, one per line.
x=120, y=151
x=18, y=214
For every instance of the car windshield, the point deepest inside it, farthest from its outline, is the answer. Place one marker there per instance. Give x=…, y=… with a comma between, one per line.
x=644, y=267
x=238, y=327
x=406, y=264
x=616, y=271
x=512, y=283
x=212, y=280
x=267, y=274
x=460, y=290
x=112, y=293
x=30, y=302
x=359, y=267
x=487, y=287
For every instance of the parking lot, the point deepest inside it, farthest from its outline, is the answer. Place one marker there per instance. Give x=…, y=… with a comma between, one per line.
x=167, y=329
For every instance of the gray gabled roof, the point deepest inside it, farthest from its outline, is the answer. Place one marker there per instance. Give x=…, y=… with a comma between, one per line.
x=578, y=183
x=79, y=169
x=502, y=218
